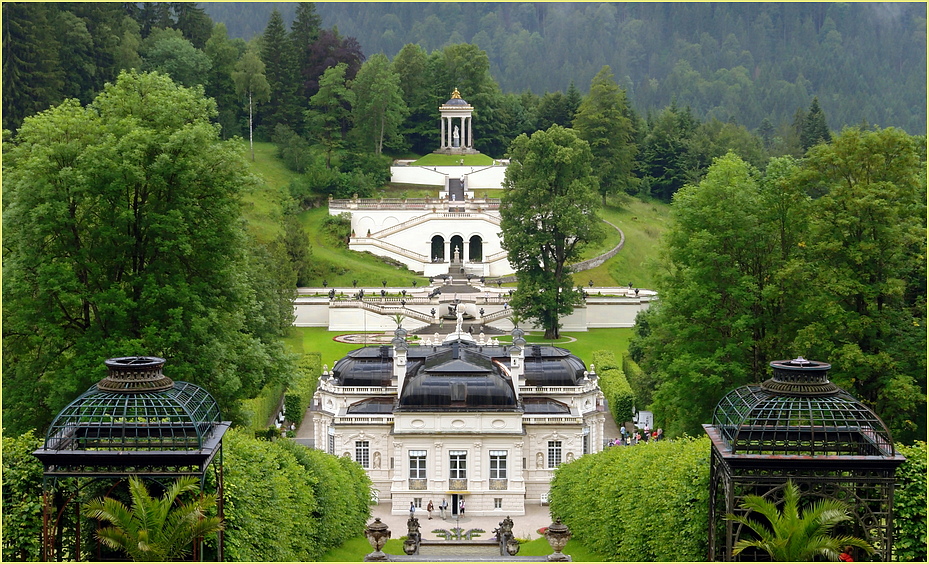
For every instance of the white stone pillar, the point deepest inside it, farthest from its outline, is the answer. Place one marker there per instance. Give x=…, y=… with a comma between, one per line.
x=442, y=140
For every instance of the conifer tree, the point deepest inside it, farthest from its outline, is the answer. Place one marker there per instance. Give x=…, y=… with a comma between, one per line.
x=814, y=129
x=278, y=57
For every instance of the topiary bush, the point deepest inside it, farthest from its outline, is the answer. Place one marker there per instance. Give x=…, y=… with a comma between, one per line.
x=615, y=387
x=910, y=505
x=638, y=504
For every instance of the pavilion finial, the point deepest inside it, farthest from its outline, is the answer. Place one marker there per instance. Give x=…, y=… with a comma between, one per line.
x=455, y=94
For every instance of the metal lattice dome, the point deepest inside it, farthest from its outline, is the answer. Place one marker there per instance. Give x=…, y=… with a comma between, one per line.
x=799, y=412
x=135, y=413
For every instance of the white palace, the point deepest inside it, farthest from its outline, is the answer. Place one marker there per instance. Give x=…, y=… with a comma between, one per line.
x=460, y=419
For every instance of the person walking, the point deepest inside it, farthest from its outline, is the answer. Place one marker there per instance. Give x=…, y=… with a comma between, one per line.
x=412, y=509
x=429, y=508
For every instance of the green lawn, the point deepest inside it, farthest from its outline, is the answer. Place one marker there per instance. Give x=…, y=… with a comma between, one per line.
x=264, y=205
x=435, y=159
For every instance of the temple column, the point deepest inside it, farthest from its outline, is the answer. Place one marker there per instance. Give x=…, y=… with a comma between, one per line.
x=442, y=140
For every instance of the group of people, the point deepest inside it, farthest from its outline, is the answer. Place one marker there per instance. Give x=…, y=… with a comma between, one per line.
x=443, y=508
x=633, y=438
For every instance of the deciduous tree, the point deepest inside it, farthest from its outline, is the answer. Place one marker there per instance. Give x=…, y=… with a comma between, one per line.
x=548, y=214
x=250, y=81
x=379, y=107
x=330, y=109
x=122, y=236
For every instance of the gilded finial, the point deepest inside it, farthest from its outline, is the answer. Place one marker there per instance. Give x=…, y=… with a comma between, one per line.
x=455, y=94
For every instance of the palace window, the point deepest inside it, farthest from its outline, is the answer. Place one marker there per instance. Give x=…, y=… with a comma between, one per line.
x=586, y=440
x=458, y=464
x=331, y=444
x=363, y=453
x=498, y=465
x=417, y=464
x=554, y=454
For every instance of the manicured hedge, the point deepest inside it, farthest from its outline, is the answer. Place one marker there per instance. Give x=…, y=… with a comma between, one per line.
x=286, y=503
x=300, y=392
x=640, y=383
x=258, y=411
x=639, y=503
x=615, y=387
x=910, y=505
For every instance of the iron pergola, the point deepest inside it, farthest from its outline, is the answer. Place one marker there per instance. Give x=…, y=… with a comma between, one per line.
x=134, y=422
x=800, y=426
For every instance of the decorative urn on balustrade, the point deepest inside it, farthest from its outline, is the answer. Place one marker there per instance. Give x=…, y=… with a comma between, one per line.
x=377, y=534
x=557, y=536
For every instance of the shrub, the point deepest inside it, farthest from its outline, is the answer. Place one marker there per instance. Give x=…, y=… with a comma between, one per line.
x=910, y=506
x=639, y=504
x=615, y=387
x=291, y=148
x=22, y=498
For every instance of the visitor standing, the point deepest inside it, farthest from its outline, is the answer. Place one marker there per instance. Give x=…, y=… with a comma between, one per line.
x=429, y=509
x=461, y=507
x=443, y=507
x=412, y=509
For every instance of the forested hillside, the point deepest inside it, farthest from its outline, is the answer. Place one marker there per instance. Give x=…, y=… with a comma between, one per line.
x=742, y=62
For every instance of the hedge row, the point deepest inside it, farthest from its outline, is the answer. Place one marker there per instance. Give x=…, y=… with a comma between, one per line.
x=300, y=392
x=258, y=411
x=910, y=506
x=639, y=381
x=287, y=503
x=615, y=387
x=638, y=504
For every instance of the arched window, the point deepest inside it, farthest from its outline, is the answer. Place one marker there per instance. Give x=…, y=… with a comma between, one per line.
x=457, y=243
x=475, y=249
x=438, y=249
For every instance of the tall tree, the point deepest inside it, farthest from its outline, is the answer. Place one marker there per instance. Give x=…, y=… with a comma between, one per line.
x=278, y=56
x=304, y=31
x=250, y=81
x=864, y=271
x=330, y=110
x=123, y=237
x=32, y=76
x=379, y=107
x=664, y=159
x=604, y=119
x=721, y=297
x=193, y=23
x=419, y=128
x=814, y=129
x=548, y=213
x=223, y=55
x=155, y=529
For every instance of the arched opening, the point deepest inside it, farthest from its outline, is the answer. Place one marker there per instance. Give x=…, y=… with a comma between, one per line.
x=438, y=249
x=457, y=244
x=475, y=249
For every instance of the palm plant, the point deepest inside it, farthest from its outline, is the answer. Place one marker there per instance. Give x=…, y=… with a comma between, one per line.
x=155, y=529
x=795, y=535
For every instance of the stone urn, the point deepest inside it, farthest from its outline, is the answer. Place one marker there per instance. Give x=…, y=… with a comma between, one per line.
x=512, y=547
x=409, y=546
x=377, y=534
x=557, y=536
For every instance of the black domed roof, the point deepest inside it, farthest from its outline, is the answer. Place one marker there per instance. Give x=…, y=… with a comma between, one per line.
x=552, y=366
x=370, y=366
x=456, y=100
x=458, y=377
